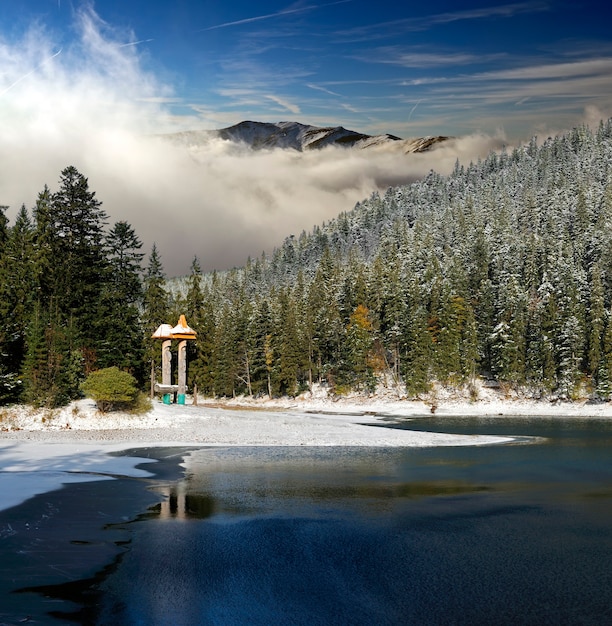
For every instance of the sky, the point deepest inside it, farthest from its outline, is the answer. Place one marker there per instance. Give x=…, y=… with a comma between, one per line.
x=94, y=84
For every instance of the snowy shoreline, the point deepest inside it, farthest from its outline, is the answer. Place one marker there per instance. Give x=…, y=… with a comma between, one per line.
x=319, y=421
x=41, y=450
x=209, y=424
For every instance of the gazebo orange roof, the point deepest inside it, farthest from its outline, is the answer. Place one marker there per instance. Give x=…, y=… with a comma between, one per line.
x=180, y=331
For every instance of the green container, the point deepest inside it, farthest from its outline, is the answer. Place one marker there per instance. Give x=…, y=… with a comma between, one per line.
x=180, y=399
x=167, y=399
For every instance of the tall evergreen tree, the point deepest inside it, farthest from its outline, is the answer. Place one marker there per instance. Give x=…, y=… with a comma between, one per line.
x=76, y=223
x=198, y=314
x=3, y=226
x=47, y=364
x=327, y=325
x=118, y=330
x=17, y=290
x=289, y=346
x=70, y=275
x=596, y=323
x=155, y=308
x=417, y=348
x=258, y=349
x=356, y=367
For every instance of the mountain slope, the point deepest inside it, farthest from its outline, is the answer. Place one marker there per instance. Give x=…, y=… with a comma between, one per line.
x=501, y=269
x=301, y=137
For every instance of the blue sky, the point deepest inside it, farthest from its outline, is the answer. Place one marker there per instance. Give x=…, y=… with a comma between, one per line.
x=406, y=68
x=94, y=84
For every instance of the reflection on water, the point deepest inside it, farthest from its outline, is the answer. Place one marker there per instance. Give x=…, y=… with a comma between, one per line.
x=182, y=501
x=314, y=481
x=178, y=503
x=316, y=536
x=499, y=534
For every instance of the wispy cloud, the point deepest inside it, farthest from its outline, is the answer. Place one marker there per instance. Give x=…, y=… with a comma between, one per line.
x=504, y=11
x=571, y=80
x=381, y=30
x=533, y=93
x=350, y=107
x=96, y=108
x=14, y=83
x=268, y=16
x=398, y=55
x=544, y=71
x=512, y=90
x=323, y=89
x=160, y=99
x=293, y=108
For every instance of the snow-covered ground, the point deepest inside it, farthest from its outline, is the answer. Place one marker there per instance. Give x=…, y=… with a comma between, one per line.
x=40, y=450
x=249, y=424
x=311, y=419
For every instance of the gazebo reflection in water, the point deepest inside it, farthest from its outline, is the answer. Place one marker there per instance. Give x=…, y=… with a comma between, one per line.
x=178, y=503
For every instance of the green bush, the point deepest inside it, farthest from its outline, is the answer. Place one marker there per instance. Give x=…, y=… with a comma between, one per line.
x=142, y=404
x=111, y=389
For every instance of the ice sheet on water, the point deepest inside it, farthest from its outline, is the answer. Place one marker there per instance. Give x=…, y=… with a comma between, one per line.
x=28, y=469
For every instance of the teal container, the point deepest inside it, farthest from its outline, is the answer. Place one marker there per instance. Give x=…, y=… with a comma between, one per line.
x=167, y=399
x=180, y=399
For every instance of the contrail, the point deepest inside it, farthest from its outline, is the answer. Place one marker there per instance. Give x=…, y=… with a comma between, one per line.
x=319, y=88
x=30, y=72
x=270, y=15
x=413, y=108
x=135, y=43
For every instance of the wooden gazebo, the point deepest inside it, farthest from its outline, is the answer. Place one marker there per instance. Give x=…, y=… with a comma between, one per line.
x=166, y=334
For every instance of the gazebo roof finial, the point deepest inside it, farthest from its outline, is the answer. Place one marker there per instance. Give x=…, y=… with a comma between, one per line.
x=182, y=330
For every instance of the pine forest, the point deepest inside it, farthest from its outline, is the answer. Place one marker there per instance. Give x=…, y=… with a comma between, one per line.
x=499, y=272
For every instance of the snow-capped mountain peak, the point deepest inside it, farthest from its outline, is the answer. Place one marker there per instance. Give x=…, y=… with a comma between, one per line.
x=301, y=137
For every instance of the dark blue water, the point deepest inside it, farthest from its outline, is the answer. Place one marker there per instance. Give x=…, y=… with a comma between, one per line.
x=513, y=534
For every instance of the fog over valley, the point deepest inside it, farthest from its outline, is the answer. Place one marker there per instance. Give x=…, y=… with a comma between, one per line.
x=96, y=106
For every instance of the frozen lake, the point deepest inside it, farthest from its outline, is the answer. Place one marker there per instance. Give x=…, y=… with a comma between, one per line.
x=517, y=533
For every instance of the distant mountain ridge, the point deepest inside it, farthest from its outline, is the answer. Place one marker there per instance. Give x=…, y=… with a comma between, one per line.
x=301, y=137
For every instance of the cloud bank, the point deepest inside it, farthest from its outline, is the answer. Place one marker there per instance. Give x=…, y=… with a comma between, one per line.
x=94, y=106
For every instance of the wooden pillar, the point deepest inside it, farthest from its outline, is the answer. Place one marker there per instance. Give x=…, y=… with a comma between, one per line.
x=166, y=363
x=152, y=379
x=166, y=367
x=182, y=371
